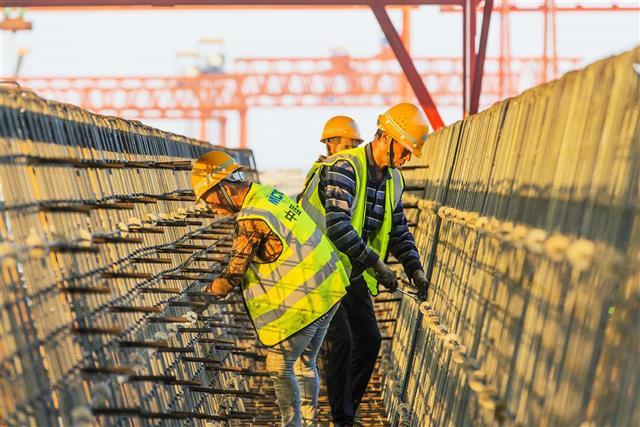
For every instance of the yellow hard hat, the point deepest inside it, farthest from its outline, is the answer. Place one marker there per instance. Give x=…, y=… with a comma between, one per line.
x=407, y=124
x=210, y=169
x=341, y=126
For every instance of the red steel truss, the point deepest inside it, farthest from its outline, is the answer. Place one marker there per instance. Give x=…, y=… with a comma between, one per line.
x=342, y=81
x=279, y=82
x=377, y=6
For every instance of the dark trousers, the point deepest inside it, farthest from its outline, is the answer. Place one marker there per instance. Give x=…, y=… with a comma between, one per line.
x=352, y=344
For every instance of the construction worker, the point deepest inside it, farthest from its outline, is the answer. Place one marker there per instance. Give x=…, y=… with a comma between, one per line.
x=355, y=197
x=292, y=279
x=339, y=133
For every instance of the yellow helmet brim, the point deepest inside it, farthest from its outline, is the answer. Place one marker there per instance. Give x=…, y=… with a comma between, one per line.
x=209, y=170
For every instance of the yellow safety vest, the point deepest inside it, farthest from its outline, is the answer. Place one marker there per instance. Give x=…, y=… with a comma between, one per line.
x=307, y=279
x=310, y=174
x=378, y=242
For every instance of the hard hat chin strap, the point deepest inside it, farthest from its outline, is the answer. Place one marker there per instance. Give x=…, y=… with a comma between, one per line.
x=390, y=154
x=227, y=198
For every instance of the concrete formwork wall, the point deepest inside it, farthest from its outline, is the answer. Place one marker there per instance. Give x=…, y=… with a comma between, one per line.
x=527, y=221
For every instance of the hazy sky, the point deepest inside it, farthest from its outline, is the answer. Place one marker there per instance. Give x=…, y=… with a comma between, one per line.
x=146, y=42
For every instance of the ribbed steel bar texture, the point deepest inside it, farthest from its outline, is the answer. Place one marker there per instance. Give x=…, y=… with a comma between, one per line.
x=104, y=256
x=527, y=219
x=526, y=216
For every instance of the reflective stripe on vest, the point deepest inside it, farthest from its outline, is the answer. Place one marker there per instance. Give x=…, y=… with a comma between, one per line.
x=393, y=193
x=304, y=283
x=314, y=167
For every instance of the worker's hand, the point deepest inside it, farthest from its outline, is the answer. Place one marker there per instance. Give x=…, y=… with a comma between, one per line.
x=386, y=276
x=421, y=283
x=220, y=287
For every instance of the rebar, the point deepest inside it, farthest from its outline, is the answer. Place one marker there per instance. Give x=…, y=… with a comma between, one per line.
x=103, y=254
x=527, y=221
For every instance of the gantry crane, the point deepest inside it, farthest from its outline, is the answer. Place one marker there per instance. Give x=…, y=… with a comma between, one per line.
x=389, y=77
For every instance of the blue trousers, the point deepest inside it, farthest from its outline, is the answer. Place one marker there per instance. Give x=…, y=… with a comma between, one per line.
x=293, y=369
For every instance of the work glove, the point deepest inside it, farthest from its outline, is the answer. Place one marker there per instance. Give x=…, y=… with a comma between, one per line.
x=386, y=276
x=220, y=287
x=421, y=283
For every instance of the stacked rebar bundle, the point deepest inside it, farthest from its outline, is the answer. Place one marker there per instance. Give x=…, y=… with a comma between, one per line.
x=104, y=256
x=527, y=218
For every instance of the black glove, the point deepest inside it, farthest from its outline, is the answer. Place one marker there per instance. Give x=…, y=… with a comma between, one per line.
x=386, y=276
x=421, y=283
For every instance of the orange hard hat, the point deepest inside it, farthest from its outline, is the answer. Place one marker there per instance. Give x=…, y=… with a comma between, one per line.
x=210, y=169
x=407, y=124
x=341, y=126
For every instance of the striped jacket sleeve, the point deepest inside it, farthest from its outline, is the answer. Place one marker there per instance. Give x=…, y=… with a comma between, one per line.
x=339, y=184
x=402, y=243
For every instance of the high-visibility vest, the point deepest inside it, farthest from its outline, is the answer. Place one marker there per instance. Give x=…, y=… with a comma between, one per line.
x=307, y=279
x=379, y=241
x=310, y=174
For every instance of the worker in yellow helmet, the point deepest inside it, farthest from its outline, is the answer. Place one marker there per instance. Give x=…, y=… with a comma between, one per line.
x=339, y=133
x=291, y=277
x=355, y=197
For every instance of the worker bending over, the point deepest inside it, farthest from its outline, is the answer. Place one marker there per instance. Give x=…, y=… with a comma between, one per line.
x=291, y=277
x=355, y=197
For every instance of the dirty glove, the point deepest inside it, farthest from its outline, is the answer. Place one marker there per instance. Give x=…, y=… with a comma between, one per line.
x=386, y=276
x=220, y=287
x=421, y=283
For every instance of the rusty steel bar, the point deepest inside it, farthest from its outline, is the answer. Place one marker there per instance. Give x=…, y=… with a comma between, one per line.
x=104, y=278
x=530, y=256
